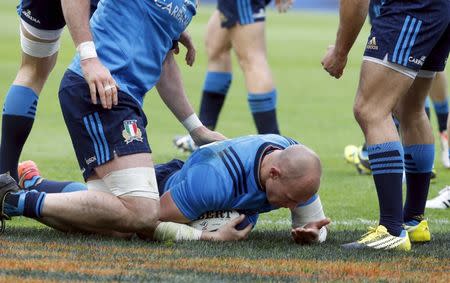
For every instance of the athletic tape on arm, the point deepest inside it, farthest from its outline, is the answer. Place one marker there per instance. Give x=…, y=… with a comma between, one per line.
x=169, y=231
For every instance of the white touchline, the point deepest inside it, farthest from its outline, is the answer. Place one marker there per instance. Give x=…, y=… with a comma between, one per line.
x=353, y=222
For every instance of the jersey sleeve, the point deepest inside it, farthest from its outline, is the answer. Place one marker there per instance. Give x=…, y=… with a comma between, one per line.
x=202, y=190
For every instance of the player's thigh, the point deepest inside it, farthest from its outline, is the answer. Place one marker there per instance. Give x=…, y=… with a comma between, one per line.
x=413, y=103
x=217, y=39
x=42, y=22
x=439, y=88
x=249, y=41
x=379, y=90
x=104, y=140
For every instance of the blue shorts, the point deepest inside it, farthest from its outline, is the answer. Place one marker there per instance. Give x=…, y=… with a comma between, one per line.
x=413, y=33
x=99, y=134
x=164, y=171
x=243, y=12
x=374, y=9
x=45, y=14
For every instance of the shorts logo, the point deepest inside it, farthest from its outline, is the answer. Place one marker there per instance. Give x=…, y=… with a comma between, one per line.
x=29, y=16
x=417, y=61
x=260, y=15
x=91, y=160
x=131, y=131
x=372, y=44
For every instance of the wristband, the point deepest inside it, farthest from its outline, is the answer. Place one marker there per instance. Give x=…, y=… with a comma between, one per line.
x=192, y=122
x=87, y=50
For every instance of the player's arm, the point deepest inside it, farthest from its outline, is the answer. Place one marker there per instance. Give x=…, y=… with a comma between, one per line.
x=202, y=190
x=76, y=14
x=171, y=90
x=352, y=14
x=177, y=230
x=186, y=40
x=309, y=224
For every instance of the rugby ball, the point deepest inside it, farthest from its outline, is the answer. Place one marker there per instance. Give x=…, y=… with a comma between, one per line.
x=213, y=220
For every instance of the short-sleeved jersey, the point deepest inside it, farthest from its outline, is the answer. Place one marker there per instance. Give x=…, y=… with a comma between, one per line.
x=225, y=176
x=132, y=39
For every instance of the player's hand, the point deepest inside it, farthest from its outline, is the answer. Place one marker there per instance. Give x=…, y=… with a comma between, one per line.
x=100, y=81
x=333, y=63
x=202, y=135
x=228, y=232
x=186, y=40
x=283, y=5
x=309, y=234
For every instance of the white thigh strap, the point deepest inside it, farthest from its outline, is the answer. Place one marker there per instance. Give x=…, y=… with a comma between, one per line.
x=38, y=49
x=133, y=182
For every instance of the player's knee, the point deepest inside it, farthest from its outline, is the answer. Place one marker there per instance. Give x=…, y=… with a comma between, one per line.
x=34, y=71
x=140, y=214
x=137, y=189
x=362, y=112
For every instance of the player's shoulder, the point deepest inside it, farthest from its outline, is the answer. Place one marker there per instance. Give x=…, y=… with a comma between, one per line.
x=282, y=140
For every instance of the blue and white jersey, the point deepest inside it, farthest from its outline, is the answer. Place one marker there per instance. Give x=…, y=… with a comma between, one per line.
x=225, y=176
x=132, y=39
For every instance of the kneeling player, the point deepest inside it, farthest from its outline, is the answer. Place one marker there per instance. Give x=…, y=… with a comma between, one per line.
x=252, y=175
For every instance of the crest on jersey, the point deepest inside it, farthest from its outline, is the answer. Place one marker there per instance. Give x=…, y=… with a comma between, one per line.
x=131, y=131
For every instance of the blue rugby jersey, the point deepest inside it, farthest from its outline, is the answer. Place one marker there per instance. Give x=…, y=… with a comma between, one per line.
x=132, y=39
x=224, y=176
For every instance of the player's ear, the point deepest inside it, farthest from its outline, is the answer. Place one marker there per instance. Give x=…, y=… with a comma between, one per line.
x=274, y=173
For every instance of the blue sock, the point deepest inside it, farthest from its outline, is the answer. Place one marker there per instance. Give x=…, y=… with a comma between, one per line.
x=52, y=187
x=427, y=107
x=24, y=203
x=419, y=160
x=386, y=162
x=263, y=107
x=215, y=90
x=441, y=109
x=17, y=120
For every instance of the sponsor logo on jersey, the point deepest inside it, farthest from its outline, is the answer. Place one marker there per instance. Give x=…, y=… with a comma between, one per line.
x=180, y=13
x=260, y=15
x=224, y=214
x=372, y=44
x=417, y=61
x=131, y=131
x=91, y=160
x=27, y=14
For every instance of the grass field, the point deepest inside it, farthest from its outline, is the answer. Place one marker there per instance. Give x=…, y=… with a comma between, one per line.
x=313, y=108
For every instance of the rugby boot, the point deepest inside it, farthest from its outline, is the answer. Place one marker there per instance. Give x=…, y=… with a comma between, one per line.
x=418, y=230
x=379, y=239
x=29, y=174
x=7, y=185
x=442, y=201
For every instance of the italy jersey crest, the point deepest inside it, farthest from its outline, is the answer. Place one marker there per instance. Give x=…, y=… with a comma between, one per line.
x=131, y=131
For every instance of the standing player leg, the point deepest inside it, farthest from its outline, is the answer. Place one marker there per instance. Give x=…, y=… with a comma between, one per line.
x=418, y=144
x=219, y=74
x=38, y=59
x=373, y=111
x=439, y=95
x=249, y=43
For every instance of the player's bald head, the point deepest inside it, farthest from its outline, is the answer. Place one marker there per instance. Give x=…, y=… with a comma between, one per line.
x=301, y=165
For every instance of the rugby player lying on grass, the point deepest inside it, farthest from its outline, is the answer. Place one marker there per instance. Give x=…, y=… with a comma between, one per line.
x=251, y=175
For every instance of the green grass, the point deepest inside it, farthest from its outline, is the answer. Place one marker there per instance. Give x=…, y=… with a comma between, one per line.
x=312, y=108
